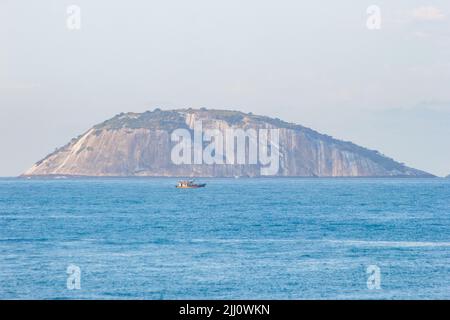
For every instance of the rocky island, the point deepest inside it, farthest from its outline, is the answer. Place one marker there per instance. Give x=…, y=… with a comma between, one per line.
x=140, y=144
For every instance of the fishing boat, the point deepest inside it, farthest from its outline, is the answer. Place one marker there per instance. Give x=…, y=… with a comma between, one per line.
x=189, y=184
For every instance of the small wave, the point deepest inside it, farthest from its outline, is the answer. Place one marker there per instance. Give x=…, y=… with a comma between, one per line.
x=403, y=244
x=372, y=243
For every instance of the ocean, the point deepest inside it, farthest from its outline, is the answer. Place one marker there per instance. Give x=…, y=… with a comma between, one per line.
x=235, y=239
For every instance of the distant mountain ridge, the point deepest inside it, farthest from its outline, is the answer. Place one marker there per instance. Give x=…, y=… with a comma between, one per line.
x=138, y=144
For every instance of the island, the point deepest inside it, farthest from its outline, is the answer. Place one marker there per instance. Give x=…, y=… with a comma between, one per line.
x=142, y=144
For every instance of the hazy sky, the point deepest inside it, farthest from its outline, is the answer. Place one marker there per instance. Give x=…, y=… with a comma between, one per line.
x=311, y=62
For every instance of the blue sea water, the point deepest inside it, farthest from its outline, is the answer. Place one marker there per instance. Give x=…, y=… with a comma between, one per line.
x=234, y=239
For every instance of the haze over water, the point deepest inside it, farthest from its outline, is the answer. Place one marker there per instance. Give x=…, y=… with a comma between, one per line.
x=234, y=239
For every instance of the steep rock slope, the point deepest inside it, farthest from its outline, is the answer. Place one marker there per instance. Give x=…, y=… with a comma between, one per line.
x=133, y=144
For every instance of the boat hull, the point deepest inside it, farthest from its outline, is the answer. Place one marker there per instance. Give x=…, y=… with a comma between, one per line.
x=192, y=187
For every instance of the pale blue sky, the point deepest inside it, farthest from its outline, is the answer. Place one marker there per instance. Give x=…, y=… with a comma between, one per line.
x=310, y=62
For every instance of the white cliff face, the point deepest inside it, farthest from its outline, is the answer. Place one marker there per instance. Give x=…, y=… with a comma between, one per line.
x=140, y=145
